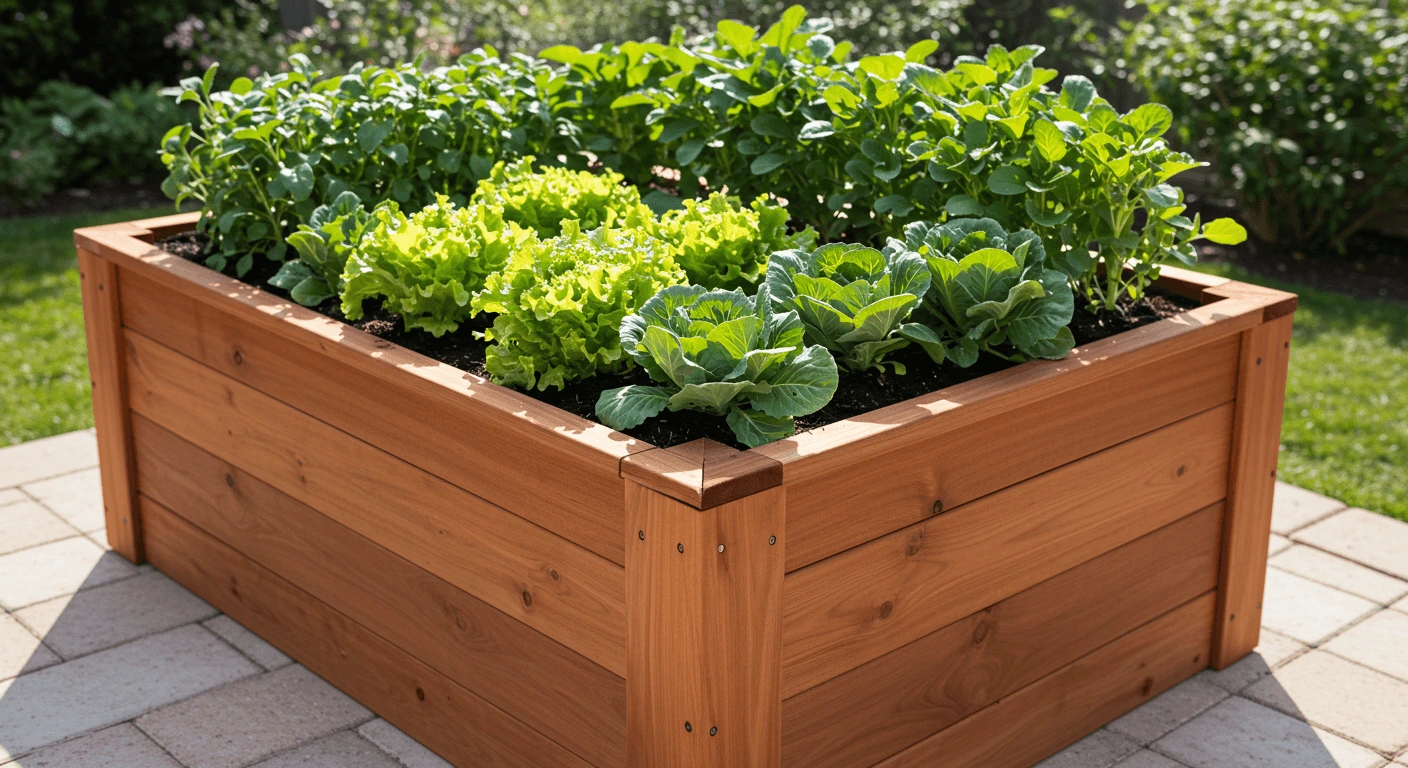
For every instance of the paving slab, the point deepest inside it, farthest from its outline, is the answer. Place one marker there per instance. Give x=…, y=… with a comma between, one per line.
x=340, y=750
x=1272, y=650
x=48, y=457
x=1306, y=610
x=1293, y=507
x=1146, y=758
x=1169, y=710
x=1277, y=544
x=1238, y=733
x=1098, y=750
x=1355, y=701
x=20, y=650
x=58, y=568
x=1379, y=642
x=1342, y=574
x=1377, y=541
x=112, y=614
x=253, y=719
x=248, y=643
x=112, y=686
x=121, y=746
x=395, y=742
x=27, y=523
x=76, y=497
x=11, y=495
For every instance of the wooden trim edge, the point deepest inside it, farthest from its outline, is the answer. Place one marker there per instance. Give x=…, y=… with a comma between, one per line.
x=703, y=473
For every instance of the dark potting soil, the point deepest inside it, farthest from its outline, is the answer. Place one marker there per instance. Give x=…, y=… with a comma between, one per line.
x=856, y=393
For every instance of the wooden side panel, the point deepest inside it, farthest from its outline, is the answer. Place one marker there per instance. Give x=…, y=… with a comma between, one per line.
x=1261, y=397
x=546, y=582
x=548, y=687
x=1059, y=709
x=491, y=456
x=102, y=326
x=870, y=600
x=425, y=704
x=704, y=607
x=882, y=707
x=952, y=465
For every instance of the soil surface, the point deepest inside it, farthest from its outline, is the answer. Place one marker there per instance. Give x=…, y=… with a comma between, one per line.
x=856, y=393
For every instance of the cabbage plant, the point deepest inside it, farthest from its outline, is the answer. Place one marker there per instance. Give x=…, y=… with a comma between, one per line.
x=989, y=290
x=722, y=353
x=851, y=299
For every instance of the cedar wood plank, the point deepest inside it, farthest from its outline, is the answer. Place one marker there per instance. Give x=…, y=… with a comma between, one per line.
x=884, y=706
x=415, y=698
x=548, y=687
x=548, y=583
x=102, y=326
x=1057, y=710
x=1261, y=397
x=877, y=493
x=704, y=607
x=867, y=601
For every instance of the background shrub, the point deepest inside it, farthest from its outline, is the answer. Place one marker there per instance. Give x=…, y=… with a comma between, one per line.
x=1299, y=103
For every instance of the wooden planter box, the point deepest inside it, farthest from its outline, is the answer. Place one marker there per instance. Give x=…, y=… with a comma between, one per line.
x=977, y=577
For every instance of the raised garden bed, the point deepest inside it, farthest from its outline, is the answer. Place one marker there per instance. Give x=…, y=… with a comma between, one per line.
x=975, y=577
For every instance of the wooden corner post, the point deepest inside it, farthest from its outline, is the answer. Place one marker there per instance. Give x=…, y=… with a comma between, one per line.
x=704, y=608
x=1256, y=440
x=102, y=325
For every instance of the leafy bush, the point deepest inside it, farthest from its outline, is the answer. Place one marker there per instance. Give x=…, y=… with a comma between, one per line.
x=851, y=299
x=266, y=153
x=323, y=245
x=541, y=200
x=989, y=290
x=67, y=135
x=427, y=266
x=725, y=354
x=720, y=244
x=561, y=303
x=1302, y=108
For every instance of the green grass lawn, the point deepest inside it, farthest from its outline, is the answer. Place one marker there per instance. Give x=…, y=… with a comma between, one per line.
x=1345, y=432
x=43, y=365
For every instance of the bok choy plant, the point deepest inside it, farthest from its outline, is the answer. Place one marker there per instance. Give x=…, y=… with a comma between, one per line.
x=722, y=353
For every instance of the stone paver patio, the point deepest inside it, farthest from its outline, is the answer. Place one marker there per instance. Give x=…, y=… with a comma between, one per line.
x=103, y=663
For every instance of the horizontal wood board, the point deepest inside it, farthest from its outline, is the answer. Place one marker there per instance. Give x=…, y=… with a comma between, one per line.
x=867, y=601
x=1059, y=709
x=890, y=703
x=535, y=679
x=430, y=707
x=533, y=575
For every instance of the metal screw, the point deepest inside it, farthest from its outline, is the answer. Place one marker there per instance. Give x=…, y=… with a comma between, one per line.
x=772, y=540
x=721, y=549
x=680, y=547
x=1258, y=361
x=714, y=731
x=687, y=727
x=938, y=506
x=640, y=535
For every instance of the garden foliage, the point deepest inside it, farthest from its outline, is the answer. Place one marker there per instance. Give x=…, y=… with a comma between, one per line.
x=541, y=200
x=725, y=354
x=721, y=244
x=1302, y=109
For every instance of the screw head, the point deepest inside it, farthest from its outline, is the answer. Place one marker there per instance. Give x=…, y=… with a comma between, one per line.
x=680, y=547
x=640, y=535
x=721, y=549
x=687, y=727
x=772, y=540
x=714, y=731
x=938, y=506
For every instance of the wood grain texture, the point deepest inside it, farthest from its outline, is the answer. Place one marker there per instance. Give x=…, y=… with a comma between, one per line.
x=882, y=707
x=955, y=461
x=704, y=609
x=434, y=710
x=548, y=687
x=102, y=327
x=868, y=601
x=1261, y=396
x=538, y=578
x=1059, y=709
x=703, y=473
x=442, y=433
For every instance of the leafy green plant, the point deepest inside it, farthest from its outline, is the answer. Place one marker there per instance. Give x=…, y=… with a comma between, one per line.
x=990, y=290
x=324, y=244
x=541, y=200
x=851, y=299
x=427, y=266
x=721, y=244
x=722, y=353
x=560, y=303
x=1302, y=111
